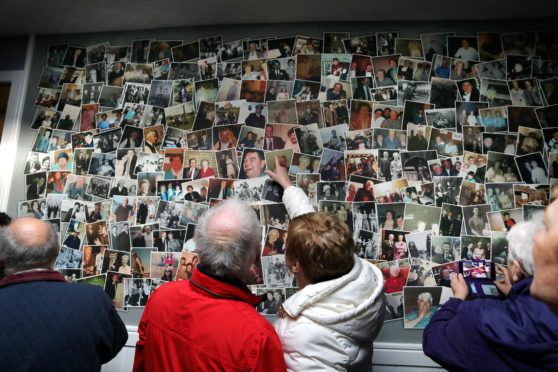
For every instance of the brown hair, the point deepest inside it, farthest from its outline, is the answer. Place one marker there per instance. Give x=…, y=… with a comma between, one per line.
x=322, y=244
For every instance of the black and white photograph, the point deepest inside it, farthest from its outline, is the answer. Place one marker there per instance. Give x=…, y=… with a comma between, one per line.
x=443, y=93
x=160, y=93
x=435, y=43
x=367, y=245
x=275, y=272
x=532, y=168
x=476, y=220
x=445, y=249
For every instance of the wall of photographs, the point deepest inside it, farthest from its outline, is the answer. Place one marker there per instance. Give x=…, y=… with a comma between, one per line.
x=429, y=145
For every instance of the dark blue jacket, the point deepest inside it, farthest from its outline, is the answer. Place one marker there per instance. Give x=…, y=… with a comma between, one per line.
x=47, y=324
x=519, y=333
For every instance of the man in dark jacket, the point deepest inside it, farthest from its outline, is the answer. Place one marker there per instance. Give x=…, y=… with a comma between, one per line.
x=518, y=333
x=210, y=323
x=48, y=324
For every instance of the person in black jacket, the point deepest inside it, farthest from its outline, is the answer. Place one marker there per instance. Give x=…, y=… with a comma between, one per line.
x=43, y=318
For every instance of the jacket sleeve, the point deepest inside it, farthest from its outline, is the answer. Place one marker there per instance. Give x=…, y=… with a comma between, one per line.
x=270, y=354
x=116, y=335
x=451, y=330
x=296, y=202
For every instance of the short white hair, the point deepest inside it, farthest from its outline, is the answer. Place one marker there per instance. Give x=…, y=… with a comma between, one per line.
x=228, y=254
x=520, y=241
x=426, y=296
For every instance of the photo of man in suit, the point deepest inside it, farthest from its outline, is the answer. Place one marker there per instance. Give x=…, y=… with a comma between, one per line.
x=192, y=195
x=119, y=189
x=162, y=242
x=276, y=72
x=256, y=119
x=192, y=171
x=362, y=90
x=272, y=142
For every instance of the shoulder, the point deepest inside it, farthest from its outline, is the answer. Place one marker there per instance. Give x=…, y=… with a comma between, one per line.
x=80, y=294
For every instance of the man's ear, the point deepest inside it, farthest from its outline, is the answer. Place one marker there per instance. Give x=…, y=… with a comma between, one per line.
x=518, y=273
x=295, y=267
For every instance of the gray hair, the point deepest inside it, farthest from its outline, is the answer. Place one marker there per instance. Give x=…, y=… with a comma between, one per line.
x=18, y=255
x=228, y=254
x=426, y=296
x=520, y=241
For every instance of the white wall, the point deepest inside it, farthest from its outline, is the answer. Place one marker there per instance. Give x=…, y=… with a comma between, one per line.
x=388, y=357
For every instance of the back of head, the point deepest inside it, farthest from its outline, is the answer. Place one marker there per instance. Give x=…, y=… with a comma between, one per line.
x=228, y=238
x=28, y=243
x=520, y=240
x=322, y=244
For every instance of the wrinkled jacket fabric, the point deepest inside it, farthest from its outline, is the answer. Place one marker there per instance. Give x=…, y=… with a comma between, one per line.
x=47, y=324
x=519, y=333
x=206, y=325
x=331, y=325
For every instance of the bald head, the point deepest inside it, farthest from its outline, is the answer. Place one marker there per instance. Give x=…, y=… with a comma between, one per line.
x=221, y=226
x=30, y=231
x=28, y=243
x=228, y=238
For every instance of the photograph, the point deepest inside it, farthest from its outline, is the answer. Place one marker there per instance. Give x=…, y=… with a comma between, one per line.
x=394, y=307
x=420, y=305
x=443, y=92
x=275, y=272
x=137, y=291
x=186, y=266
x=446, y=189
x=531, y=194
x=420, y=274
x=441, y=118
x=395, y=274
x=421, y=218
x=476, y=220
x=445, y=249
x=367, y=245
x=444, y=273
x=160, y=93
x=164, y=265
x=68, y=258
x=435, y=43
x=501, y=168
x=532, y=168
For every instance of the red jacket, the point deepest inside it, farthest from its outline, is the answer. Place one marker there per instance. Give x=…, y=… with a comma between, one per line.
x=205, y=325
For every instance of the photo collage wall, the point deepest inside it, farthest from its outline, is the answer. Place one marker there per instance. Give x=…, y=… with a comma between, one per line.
x=429, y=148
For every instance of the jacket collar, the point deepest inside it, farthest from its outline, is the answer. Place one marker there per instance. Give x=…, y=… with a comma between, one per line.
x=319, y=292
x=522, y=287
x=32, y=276
x=222, y=288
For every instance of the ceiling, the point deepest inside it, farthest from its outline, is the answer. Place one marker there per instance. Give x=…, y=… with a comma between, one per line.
x=22, y=17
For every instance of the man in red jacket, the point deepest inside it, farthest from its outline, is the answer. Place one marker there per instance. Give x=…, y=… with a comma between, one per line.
x=209, y=323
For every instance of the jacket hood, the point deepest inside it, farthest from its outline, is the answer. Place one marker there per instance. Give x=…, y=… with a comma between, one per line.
x=350, y=304
x=529, y=332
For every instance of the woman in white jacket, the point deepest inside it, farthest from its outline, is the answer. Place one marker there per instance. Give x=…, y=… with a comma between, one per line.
x=331, y=323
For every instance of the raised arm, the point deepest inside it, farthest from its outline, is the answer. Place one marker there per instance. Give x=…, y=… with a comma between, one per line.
x=295, y=200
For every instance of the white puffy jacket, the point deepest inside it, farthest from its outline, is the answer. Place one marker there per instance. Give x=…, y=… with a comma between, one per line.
x=331, y=325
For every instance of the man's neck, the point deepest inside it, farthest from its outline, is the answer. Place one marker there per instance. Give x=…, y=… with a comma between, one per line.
x=32, y=270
